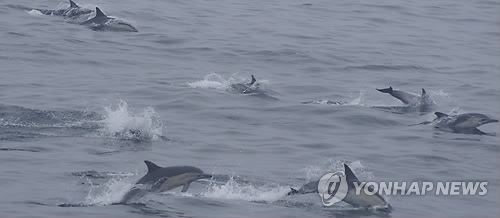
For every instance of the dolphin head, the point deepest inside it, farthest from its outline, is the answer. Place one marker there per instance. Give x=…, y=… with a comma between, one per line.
x=483, y=119
x=468, y=121
x=204, y=176
x=474, y=120
x=122, y=26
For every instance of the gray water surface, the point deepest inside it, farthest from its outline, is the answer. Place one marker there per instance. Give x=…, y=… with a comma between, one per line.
x=80, y=110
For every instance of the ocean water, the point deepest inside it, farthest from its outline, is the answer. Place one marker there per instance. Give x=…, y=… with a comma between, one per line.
x=80, y=110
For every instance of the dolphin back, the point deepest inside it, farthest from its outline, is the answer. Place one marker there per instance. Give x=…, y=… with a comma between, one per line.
x=155, y=172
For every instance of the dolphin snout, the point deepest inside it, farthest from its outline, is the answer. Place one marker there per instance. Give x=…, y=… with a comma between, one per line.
x=491, y=121
x=204, y=176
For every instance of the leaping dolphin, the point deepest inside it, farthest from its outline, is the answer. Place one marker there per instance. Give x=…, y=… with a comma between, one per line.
x=463, y=123
x=421, y=103
x=103, y=22
x=362, y=200
x=161, y=179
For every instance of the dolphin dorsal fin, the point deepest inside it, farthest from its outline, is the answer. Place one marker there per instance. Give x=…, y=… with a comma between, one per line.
x=98, y=12
x=440, y=115
x=292, y=191
x=253, y=80
x=72, y=4
x=423, y=92
x=349, y=175
x=151, y=166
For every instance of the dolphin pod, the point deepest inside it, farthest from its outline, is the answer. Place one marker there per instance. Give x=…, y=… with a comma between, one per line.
x=100, y=22
x=161, y=179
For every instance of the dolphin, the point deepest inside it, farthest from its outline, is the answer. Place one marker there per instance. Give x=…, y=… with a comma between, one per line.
x=73, y=11
x=161, y=179
x=244, y=88
x=421, y=103
x=466, y=123
x=103, y=22
x=362, y=200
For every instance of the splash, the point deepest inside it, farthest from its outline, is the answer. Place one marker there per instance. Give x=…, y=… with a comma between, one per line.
x=355, y=101
x=217, y=81
x=359, y=100
x=34, y=12
x=325, y=101
x=121, y=123
x=109, y=193
x=331, y=165
x=211, y=81
x=445, y=100
x=248, y=192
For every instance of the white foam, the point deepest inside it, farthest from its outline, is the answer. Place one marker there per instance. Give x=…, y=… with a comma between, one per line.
x=211, y=81
x=120, y=122
x=359, y=100
x=235, y=191
x=217, y=81
x=34, y=12
x=109, y=193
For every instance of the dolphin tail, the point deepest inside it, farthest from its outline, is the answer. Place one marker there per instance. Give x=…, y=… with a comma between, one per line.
x=440, y=115
x=72, y=4
x=387, y=90
x=134, y=194
x=423, y=92
x=292, y=191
